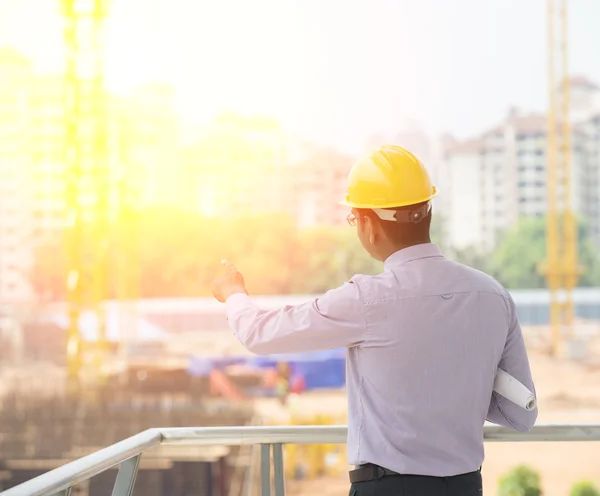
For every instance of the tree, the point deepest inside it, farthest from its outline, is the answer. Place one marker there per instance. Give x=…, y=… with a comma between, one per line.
x=517, y=258
x=520, y=481
x=437, y=230
x=180, y=254
x=473, y=258
x=585, y=488
x=48, y=274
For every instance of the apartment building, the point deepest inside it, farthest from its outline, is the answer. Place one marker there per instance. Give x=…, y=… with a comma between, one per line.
x=47, y=146
x=590, y=130
x=508, y=167
x=315, y=183
x=15, y=212
x=463, y=214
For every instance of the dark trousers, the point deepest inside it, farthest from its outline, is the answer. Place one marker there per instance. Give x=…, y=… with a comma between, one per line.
x=420, y=485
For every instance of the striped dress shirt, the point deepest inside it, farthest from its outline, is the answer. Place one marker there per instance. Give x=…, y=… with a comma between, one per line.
x=424, y=340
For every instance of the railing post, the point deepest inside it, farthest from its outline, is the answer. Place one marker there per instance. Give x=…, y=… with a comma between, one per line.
x=265, y=470
x=126, y=477
x=278, y=472
x=65, y=492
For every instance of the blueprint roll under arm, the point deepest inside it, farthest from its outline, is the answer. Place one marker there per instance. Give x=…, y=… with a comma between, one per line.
x=509, y=387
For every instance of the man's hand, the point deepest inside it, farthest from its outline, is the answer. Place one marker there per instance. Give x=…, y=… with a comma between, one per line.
x=229, y=283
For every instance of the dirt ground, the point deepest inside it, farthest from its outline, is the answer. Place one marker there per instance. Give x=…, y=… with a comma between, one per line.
x=568, y=392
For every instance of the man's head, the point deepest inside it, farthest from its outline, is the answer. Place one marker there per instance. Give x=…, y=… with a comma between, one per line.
x=389, y=192
x=382, y=236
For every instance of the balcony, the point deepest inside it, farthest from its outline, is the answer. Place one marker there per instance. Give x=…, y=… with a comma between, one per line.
x=126, y=454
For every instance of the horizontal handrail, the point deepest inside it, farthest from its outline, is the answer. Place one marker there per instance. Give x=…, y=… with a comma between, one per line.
x=84, y=468
x=336, y=434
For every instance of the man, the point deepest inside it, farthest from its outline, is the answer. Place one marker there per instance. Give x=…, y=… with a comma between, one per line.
x=425, y=339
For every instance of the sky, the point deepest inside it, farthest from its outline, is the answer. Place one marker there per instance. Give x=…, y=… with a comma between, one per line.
x=332, y=71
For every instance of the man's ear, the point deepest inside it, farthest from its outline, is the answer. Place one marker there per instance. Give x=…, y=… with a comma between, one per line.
x=371, y=225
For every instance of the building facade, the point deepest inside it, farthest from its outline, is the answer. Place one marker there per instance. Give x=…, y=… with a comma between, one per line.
x=15, y=163
x=140, y=167
x=507, y=166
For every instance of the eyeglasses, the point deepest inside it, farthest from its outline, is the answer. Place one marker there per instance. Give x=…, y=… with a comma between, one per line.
x=351, y=219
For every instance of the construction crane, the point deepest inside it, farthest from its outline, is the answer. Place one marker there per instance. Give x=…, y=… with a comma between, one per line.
x=86, y=160
x=561, y=265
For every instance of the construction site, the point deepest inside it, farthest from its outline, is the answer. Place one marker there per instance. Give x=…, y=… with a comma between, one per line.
x=103, y=361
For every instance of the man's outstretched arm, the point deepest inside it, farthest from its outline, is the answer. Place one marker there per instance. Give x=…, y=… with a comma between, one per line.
x=334, y=320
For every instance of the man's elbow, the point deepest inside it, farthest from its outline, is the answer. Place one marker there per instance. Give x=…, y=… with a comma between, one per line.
x=520, y=421
x=531, y=419
x=256, y=346
x=526, y=423
x=250, y=337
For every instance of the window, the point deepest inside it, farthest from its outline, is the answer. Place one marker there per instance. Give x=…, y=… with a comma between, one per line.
x=539, y=168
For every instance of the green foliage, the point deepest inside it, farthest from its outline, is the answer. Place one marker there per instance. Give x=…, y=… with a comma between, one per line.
x=177, y=254
x=171, y=253
x=48, y=274
x=585, y=488
x=471, y=257
x=518, y=257
x=520, y=481
x=437, y=230
x=516, y=260
x=182, y=257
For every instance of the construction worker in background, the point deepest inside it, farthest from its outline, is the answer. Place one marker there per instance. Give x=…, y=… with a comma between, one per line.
x=283, y=381
x=425, y=339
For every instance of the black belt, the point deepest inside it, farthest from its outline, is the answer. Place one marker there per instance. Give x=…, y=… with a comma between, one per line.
x=369, y=472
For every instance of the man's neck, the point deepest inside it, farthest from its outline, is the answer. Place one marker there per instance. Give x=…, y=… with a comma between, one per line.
x=403, y=246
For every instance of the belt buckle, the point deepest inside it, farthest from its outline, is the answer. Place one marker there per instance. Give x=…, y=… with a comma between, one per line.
x=378, y=472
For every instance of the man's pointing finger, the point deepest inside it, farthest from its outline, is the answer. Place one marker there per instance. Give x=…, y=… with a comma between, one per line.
x=228, y=265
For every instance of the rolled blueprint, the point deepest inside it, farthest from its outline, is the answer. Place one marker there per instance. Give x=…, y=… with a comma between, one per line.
x=506, y=385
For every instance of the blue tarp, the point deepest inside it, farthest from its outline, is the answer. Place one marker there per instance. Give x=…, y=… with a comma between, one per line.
x=313, y=356
x=320, y=369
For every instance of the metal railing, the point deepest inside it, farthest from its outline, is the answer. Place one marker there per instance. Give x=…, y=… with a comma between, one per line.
x=127, y=453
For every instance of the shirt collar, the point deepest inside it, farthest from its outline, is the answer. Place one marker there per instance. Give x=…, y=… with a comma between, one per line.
x=415, y=252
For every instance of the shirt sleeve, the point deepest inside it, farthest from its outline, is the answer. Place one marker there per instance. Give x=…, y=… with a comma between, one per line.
x=515, y=362
x=335, y=320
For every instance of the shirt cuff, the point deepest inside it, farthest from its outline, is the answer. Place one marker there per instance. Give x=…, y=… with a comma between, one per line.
x=236, y=302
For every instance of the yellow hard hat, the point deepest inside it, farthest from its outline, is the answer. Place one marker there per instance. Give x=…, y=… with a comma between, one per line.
x=388, y=177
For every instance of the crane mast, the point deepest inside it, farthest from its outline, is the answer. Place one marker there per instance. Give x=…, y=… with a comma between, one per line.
x=561, y=264
x=86, y=173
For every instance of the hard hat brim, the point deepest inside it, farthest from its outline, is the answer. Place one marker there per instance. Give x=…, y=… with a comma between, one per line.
x=346, y=203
